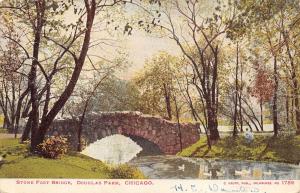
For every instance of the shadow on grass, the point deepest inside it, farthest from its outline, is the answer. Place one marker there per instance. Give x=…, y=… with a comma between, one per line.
x=287, y=148
x=268, y=143
x=198, y=149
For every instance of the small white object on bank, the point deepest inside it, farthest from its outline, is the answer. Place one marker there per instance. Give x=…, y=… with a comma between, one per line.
x=181, y=167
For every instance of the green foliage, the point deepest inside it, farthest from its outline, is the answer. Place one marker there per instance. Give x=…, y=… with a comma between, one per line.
x=156, y=83
x=125, y=171
x=280, y=149
x=116, y=95
x=112, y=94
x=53, y=147
x=19, y=164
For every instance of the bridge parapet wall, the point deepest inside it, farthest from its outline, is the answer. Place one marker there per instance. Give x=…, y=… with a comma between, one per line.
x=164, y=133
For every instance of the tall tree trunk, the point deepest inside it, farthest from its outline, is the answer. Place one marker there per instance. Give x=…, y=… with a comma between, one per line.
x=213, y=125
x=287, y=109
x=235, y=131
x=80, y=128
x=297, y=108
x=79, y=62
x=275, y=118
x=13, y=107
x=178, y=123
x=4, y=107
x=261, y=115
x=240, y=98
x=197, y=117
x=40, y=11
x=168, y=101
x=293, y=112
x=212, y=98
x=241, y=120
x=26, y=131
x=18, y=111
x=294, y=78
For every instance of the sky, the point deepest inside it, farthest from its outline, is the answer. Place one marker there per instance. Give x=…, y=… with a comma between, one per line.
x=139, y=46
x=142, y=47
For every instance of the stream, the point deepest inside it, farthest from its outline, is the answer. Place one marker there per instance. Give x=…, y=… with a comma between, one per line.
x=175, y=167
x=118, y=149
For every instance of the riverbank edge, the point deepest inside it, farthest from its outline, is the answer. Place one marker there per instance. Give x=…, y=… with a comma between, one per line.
x=18, y=163
x=262, y=148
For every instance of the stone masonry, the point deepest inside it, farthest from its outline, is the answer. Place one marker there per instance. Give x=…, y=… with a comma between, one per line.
x=161, y=132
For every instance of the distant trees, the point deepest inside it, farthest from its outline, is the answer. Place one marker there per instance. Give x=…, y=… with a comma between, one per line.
x=115, y=94
x=13, y=92
x=157, y=85
x=263, y=89
x=271, y=25
x=104, y=93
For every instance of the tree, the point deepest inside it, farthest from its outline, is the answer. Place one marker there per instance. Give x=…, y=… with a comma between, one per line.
x=115, y=94
x=13, y=89
x=263, y=89
x=268, y=22
x=201, y=46
x=157, y=85
x=236, y=92
x=40, y=15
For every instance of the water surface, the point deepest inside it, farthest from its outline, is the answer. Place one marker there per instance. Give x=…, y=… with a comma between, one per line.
x=174, y=167
x=119, y=149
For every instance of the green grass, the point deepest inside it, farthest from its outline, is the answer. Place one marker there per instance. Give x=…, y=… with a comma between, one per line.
x=280, y=149
x=2, y=130
x=19, y=164
x=1, y=119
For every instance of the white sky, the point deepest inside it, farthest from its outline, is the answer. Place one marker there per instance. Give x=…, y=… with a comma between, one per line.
x=141, y=47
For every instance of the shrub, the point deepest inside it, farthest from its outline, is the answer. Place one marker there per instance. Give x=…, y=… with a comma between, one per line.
x=53, y=147
x=126, y=172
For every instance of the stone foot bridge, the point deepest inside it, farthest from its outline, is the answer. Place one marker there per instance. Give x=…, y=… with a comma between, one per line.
x=150, y=132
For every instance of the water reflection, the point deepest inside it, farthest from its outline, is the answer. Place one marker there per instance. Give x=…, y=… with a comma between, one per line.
x=121, y=149
x=116, y=149
x=192, y=168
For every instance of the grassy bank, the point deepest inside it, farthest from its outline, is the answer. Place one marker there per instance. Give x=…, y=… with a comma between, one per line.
x=283, y=149
x=19, y=164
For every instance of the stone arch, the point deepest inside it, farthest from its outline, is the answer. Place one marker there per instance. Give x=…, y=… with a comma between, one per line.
x=149, y=147
x=161, y=133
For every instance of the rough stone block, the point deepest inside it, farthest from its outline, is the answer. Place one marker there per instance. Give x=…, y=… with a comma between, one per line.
x=162, y=132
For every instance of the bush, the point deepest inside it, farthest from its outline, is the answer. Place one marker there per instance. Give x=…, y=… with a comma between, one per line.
x=126, y=172
x=53, y=147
